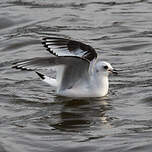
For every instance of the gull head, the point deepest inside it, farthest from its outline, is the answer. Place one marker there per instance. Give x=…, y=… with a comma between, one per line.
x=105, y=68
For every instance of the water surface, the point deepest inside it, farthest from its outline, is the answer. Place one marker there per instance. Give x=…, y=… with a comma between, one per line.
x=32, y=119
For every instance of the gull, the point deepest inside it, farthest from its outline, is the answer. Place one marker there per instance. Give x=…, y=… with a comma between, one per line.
x=78, y=71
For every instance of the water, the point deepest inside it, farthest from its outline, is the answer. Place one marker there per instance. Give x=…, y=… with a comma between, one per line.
x=32, y=119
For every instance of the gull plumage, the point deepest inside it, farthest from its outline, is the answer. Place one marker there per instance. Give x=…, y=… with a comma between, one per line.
x=79, y=73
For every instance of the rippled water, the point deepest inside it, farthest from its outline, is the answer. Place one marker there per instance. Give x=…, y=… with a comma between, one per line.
x=33, y=120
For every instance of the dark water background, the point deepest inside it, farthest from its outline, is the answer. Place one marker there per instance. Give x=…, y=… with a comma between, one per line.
x=33, y=120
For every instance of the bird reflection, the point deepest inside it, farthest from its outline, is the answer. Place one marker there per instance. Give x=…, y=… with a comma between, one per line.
x=77, y=114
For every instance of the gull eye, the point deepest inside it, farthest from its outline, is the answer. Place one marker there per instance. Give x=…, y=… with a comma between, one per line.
x=105, y=67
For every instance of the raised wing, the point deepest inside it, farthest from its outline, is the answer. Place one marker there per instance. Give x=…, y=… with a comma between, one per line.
x=74, y=68
x=36, y=63
x=47, y=62
x=65, y=47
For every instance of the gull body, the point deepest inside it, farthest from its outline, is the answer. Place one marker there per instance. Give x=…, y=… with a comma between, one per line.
x=96, y=84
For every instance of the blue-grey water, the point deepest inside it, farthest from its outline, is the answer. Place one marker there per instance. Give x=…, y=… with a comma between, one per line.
x=32, y=119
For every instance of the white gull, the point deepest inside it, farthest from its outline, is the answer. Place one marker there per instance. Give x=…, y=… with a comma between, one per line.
x=79, y=73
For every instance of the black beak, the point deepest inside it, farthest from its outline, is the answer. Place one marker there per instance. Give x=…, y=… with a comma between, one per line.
x=115, y=72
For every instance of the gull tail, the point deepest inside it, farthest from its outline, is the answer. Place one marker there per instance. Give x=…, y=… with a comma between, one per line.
x=47, y=79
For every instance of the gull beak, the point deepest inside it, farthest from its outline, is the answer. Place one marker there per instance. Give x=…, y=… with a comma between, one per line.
x=113, y=71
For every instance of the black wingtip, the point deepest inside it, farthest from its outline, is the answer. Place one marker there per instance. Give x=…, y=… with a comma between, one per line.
x=22, y=68
x=40, y=75
x=51, y=51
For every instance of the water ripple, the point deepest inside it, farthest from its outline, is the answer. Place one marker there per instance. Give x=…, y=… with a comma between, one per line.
x=34, y=119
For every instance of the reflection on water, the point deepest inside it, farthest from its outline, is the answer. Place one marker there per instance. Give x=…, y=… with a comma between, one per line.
x=77, y=115
x=33, y=119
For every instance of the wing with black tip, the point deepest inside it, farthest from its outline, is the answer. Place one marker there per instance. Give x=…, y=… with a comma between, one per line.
x=66, y=47
x=73, y=69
